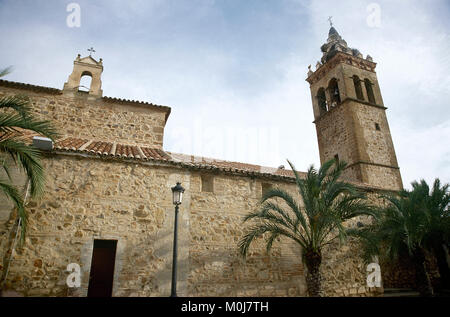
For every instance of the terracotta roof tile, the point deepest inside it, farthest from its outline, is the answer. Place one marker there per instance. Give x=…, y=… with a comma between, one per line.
x=190, y=161
x=229, y=166
x=70, y=144
x=127, y=151
x=100, y=147
x=106, y=148
x=19, y=134
x=155, y=153
x=146, y=153
x=197, y=162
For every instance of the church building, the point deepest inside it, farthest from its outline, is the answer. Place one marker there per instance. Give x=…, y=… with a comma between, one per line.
x=108, y=204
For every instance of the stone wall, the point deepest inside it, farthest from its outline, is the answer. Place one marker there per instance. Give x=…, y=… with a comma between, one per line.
x=89, y=197
x=344, y=272
x=94, y=198
x=401, y=273
x=349, y=131
x=216, y=227
x=102, y=119
x=334, y=135
x=356, y=130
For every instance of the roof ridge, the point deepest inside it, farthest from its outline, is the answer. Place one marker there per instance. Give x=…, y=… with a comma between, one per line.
x=202, y=160
x=141, y=102
x=20, y=85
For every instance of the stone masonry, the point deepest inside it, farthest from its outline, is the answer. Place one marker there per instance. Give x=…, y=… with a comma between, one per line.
x=108, y=177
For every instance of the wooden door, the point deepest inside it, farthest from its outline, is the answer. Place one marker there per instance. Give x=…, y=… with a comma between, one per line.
x=102, y=268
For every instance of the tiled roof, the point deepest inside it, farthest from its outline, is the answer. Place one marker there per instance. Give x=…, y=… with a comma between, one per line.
x=185, y=161
x=140, y=153
x=70, y=144
x=231, y=166
x=112, y=149
x=18, y=134
x=116, y=150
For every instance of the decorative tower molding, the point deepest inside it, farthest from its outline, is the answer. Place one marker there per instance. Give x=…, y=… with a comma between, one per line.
x=86, y=66
x=350, y=115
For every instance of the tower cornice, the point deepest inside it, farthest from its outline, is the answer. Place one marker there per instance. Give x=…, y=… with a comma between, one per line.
x=340, y=58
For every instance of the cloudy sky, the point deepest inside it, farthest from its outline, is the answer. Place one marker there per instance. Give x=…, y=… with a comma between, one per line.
x=233, y=71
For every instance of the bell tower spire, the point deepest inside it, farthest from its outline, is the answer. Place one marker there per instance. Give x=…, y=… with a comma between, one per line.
x=350, y=115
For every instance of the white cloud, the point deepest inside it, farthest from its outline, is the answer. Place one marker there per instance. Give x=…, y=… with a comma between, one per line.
x=424, y=153
x=195, y=58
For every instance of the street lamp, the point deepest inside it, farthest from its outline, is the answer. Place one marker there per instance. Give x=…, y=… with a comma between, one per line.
x=177, y=196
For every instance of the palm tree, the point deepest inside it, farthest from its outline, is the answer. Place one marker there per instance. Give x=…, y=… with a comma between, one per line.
x=15, y=119
x=328, y=203
x=437, y=233
x=399, y=231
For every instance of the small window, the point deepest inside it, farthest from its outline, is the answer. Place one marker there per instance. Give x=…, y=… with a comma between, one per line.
x=377, y=127
x=207, y=183
x=322, y=100
x=369, y=90
x=85, y=81
x=333, y=88
x=358, y=88
x=265, y=187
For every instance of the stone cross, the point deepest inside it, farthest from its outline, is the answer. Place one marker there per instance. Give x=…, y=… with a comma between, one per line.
x=331, y=22
x=91, y=50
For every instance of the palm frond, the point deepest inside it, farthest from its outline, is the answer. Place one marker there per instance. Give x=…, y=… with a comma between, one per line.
x=17, y=103
x=260, y=229
x=4, y=165
x=28, y=158
x=327, y=202
x=290, y=201
x=5, y=71
x=16, y=115
x=11, y=121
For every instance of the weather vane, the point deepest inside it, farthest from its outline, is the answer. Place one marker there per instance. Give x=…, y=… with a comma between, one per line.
x=91, y=50
x=331, y=22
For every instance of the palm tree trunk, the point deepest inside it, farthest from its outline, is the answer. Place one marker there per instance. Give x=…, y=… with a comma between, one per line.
x=313, y=277
x=422, y=278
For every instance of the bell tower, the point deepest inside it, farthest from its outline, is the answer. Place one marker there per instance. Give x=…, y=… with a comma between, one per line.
x=350, y=116
x=86, y=66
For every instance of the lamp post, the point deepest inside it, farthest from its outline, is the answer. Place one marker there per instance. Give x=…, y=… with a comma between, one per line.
x=177, y=193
